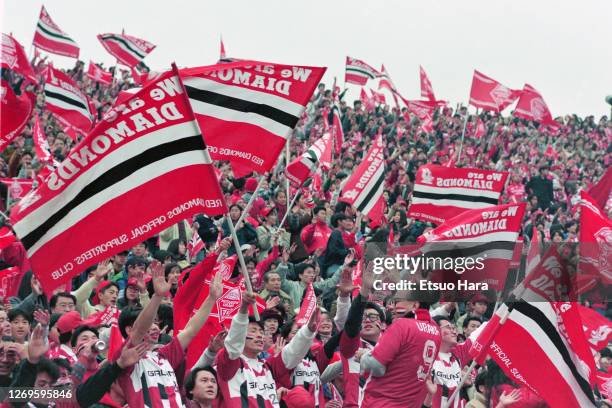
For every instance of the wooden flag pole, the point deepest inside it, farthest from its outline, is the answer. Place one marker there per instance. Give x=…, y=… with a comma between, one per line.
x=467, y=115
x=251, y=201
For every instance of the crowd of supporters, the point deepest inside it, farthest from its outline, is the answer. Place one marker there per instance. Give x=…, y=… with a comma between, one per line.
x=358, y=348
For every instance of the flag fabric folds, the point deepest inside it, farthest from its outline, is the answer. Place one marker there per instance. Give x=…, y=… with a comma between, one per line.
x=51, y=38
x=66, y=101
x=16, y=112
x=531, y=106
x=128, y=50
x=248, y=109
x=488, y=94
x=441, y=193
x=300, y=169
x=15, y=58
x=365, y=187
x=98, y=74
x=358, y=72
x=81, y=213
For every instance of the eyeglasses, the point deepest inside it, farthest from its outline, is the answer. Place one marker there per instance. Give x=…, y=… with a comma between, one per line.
x=373, y=317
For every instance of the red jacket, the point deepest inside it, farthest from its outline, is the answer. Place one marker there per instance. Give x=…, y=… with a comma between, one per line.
x=315, y=236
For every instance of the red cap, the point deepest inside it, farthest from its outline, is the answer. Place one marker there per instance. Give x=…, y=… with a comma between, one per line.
x=298, y=397
x=68, y=322
x=132, y=282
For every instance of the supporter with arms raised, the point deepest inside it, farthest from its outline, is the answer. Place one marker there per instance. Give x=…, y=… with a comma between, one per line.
x=152, y=381
x=244, y=379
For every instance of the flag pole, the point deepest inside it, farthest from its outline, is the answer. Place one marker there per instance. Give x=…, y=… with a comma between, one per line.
x=467, y=115
x=245, y=273
x=297, y=193
x=251, y=201
x=287, y=157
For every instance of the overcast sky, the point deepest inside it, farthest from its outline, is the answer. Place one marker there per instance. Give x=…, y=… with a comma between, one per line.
x=562, y=48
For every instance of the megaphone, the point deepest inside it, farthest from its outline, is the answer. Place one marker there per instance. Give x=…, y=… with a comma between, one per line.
x=609, y=99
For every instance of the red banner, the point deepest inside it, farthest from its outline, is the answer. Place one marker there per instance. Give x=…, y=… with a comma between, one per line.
x=15, y=113
x=98, y=74
x=66, y=101
x=441, y=193
x=309, y=304
x=80, y=214
x=17, y=188
x=128, y=50
x=51, y=38
x=247, y=109
x=488, y=94
x=15, y=58
x=597, y=329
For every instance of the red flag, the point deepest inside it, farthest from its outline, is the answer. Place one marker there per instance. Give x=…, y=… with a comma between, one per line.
x=336, y=131
x=305, y=165
x=15, y=58
x=98, y=74
x=367, y=102
x=142, y=79
x=115, y=342
x=366, y=185
x=377, y=213
x=387, y=83
x=222, y=50
x=488, y=94
x=195, y=245
x=480, y=346
x=378, y=97
x=531, y=106
x=128, y=50
x=358, y=72
x=79, y=215
x=15, y=112
x=552, y=335
x=106, y=317
x=426, y=88
x=441, y=193
x=597, y=329
x=66, y=101
x=6, y=237
x=17, y=188
x=226, y=267
x=51, y=38
x=248, y=109
x=10, y=279
x=42, y=146
x=548, y=282
x=600, y=192
x=595, y=262
x=486, y=235
x=604, y=384
x=421, y=109
x=309, y=304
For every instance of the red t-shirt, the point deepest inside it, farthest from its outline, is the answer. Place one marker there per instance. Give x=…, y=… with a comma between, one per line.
x=151, y=383
x=407, y=349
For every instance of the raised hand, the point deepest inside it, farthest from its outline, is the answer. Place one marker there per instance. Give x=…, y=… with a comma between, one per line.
x=345, y=285
x=42, y=317
x=101, y=270
x=279, y=345
x=160, y=285
x=315, y=319
x=216, y=287
x=349, y=257
x=247, y=299
x=37, y=346
x=131, y=355
x=508, y=399
x=216, y=343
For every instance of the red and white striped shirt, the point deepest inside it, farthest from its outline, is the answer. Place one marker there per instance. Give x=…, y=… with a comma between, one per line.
x=151, y=383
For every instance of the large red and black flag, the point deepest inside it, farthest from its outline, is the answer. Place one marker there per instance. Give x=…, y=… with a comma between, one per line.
x=143, y=168
x=248, y=109
x=51, y=38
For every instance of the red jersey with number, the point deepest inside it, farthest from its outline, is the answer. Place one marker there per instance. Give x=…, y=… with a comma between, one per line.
x=407, y=349
x=248, y=382
x=151, y=383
